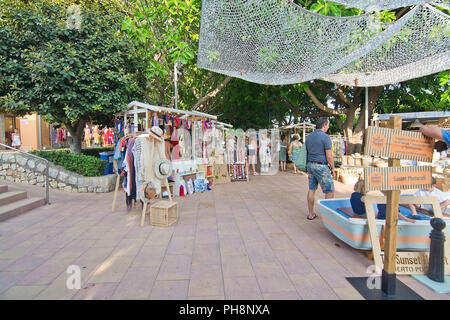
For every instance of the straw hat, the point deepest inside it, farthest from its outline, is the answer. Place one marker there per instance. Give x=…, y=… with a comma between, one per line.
x=156, y=132
x=163, y=168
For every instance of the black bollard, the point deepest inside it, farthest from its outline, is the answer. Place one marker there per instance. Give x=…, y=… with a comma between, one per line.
x=436, y=270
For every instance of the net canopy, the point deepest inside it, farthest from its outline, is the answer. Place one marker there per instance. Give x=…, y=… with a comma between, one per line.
x=373, y=5
x=277, y=42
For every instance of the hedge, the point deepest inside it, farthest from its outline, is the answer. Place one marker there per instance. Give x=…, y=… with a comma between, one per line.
x=86, y=151
x=88, y=166
x=95, y=151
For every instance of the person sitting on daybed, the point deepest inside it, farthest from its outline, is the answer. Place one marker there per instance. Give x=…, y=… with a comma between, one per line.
x=359, y=208
x=443, y=198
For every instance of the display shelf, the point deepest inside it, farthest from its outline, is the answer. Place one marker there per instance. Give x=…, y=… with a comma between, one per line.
x=187, y=173
x=238, y=171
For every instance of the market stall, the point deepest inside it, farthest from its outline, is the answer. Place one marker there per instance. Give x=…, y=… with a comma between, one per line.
x=302, y=127
x=193, y=142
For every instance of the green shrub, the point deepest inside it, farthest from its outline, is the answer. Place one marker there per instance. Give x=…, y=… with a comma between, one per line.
x=88, y=166
x=86, y=151
x=95, y=151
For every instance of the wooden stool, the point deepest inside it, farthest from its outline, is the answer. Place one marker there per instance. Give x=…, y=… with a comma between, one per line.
x=144, y=211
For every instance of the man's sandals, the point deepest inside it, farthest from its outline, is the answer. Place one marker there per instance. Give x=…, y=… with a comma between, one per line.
x=315, y=216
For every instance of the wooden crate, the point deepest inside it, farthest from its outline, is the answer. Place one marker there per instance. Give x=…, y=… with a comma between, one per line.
x=220, y=173
x=163, y=213
x=443, y=184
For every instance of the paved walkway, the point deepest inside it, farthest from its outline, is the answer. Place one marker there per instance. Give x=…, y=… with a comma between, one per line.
x=239, y=241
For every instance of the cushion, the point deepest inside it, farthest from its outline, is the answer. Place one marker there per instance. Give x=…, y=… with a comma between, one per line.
x=349, y=211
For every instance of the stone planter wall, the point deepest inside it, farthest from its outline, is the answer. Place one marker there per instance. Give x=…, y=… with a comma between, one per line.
x=16, y=167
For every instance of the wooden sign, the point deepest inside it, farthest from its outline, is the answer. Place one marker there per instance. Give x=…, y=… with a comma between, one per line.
x=398, y=144
x=413, y=263
x=221, y=174
x=403, y=259
x=397, y=178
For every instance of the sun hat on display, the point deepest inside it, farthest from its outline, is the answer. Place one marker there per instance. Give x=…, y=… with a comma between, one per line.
x=157, y=133
x=163, y=168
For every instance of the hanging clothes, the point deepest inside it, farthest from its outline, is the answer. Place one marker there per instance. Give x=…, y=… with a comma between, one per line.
x=53, y=135
x=110, y=133
x=87, y=136
x=128, y=169
x=118, y=156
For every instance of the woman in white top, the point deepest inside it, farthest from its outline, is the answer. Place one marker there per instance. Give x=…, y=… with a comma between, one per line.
x=15, y=137
x=264, y=152
x=252, y=147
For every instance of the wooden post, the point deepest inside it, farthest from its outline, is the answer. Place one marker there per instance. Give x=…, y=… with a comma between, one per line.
x=115, y=192
x=135, y=119
x=388, y=279
x=144, y=209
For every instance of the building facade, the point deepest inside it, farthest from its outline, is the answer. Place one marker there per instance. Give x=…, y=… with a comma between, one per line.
x=34, y=131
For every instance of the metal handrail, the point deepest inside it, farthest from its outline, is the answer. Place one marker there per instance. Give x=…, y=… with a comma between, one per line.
x=47, y=197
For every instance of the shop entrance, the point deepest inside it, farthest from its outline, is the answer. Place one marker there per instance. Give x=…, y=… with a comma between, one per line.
x=10, y=125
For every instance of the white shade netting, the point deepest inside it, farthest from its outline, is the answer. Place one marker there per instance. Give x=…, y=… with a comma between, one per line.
x=277, y=42
x=372, y=5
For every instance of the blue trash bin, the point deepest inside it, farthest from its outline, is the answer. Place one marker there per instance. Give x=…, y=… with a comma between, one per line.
x=108, y=156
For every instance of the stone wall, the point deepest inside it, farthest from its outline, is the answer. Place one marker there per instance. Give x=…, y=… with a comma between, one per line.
x=16, y=167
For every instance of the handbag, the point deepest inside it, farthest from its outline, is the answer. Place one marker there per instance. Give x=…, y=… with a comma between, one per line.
x=150, y=192
x=300, y=162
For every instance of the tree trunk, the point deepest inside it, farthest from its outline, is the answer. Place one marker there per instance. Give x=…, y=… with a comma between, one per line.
x=358, y=132
x=202, y=101
x=76, y=132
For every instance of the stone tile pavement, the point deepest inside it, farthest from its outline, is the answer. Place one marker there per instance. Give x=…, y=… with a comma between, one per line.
x=240, y=241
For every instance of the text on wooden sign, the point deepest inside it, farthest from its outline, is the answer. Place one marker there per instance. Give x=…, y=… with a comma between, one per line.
x=397, y=178
x=398, y=144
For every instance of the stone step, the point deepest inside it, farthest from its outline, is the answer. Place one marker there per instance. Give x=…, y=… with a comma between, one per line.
x=3, y=188
x=12, y=196
x=14, y=209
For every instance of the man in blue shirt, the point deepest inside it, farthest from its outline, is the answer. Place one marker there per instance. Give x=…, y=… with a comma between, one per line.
x=320, y=164
x=436, y=132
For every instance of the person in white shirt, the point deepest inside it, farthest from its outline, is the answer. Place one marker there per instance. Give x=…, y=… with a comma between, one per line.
x=264, y=152
x=443, y=198
x=15, y=137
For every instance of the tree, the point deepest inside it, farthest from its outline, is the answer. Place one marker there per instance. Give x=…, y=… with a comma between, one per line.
x=68, y=63
x=430, y=93
x=167, y=32
x=347, y=104
x=248, y=105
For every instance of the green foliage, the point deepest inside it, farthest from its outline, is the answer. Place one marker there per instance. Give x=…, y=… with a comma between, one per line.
x=257, y=106
x=88, y=166
x=328, y=8
x=94, y=151
x=245, y=105
x=430, y=93
x=167, y=31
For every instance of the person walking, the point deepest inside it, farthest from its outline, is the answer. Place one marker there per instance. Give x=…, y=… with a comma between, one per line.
x=15, y=138
x=264, y=152
x=320, y=164
x=283, y=152
x=252, y=149
x=294, y=150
